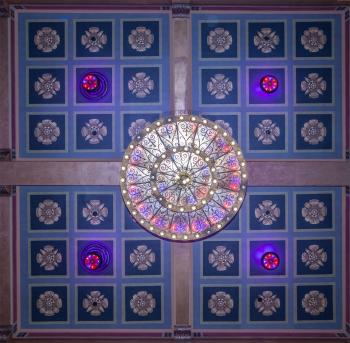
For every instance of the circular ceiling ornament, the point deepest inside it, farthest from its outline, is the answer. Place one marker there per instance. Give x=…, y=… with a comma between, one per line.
x=269, y=84
x=95, y=257
x=183, y=178
x=270, y=260
x=93, y=85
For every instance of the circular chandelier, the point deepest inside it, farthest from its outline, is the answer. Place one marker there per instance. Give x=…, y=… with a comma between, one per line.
x=183, y=178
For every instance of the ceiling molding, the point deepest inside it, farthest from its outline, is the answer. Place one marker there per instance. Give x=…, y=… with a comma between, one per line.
x=6, y=3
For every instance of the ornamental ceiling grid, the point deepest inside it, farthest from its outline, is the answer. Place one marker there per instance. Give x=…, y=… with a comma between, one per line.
x=289, y=127
x=87, y=83
x=236, y=55
x=303, y=124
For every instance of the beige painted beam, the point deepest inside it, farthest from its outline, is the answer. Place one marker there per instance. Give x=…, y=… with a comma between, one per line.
x=181, y=100
x=260, y=173
x=5, y=202
x=181, y=254
x=5, y=276
x=4, y=86
x=181, y=87
x=298, y=173
x=59, y=173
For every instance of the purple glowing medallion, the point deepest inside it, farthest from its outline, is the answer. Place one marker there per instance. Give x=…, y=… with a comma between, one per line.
x=90, y=82
x=95, y=257
x=269, y=84
x=270, y=261
x=92, y=261
x=93, y=85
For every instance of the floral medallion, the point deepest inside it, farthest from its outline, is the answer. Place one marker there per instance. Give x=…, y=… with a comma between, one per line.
x=46, y=39
x=49, y=303
x=95, y=212
x=313, y=132
x=47, y=132
x=141, y=85
x=95, y=303
x=313, y=39
x=314, y=303
x=226, y=126
x=314, y=257
x=136, y=127
x=220, y=86
x=49, y=257
x=267, y=303
x=267, y=212
x=220, y=304
x=221, y=258
x=48, y=212
x=47, y=86
x=267, y=132
x=142, y=303
x=142, y=257
x=93, y=131
x=94, y=39
x=314, y=211
x=141, y=39
x=313, y=85
x=266, y=40
x=219, y=40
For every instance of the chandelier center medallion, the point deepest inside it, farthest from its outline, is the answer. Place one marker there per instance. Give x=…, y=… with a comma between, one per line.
x=183, y=178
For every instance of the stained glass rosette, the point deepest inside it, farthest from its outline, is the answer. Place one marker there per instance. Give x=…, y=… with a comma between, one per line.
x=183, y=178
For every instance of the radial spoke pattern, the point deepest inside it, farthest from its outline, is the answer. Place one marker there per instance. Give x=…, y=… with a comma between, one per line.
x=183, y=178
